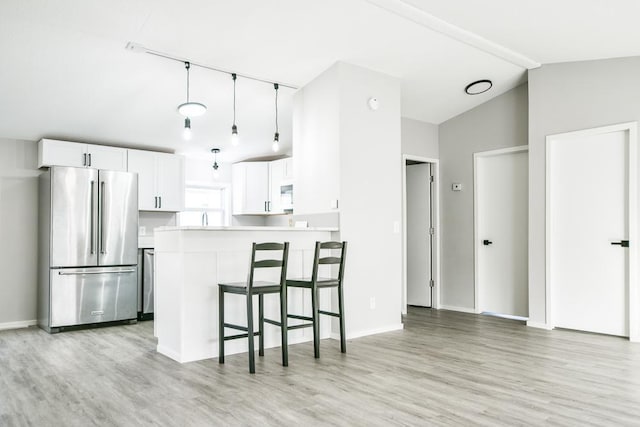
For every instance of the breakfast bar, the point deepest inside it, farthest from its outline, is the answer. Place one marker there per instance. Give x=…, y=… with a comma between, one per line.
x=189, y=264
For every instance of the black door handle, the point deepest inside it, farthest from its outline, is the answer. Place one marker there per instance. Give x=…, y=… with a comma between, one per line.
x=623, y=243
x=487, y=242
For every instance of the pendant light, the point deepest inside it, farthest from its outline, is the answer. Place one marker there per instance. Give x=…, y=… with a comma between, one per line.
x=186, y=133
x=215, y=152
x=234, y=129
x=276, y=137
x=191, y=109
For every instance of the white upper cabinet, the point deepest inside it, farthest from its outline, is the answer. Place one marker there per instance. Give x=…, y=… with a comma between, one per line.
x=65, y=153
x=288, y=170
x=256, y=186
x=160, y=180
x=250, y=182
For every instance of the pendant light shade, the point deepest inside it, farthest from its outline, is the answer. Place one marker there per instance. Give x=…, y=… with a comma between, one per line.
x=191, y=109
x=276, y=137
x=215, y=152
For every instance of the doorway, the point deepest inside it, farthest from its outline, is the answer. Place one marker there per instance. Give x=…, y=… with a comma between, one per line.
x=501, y=203
x=591, y=230
x=420, y=232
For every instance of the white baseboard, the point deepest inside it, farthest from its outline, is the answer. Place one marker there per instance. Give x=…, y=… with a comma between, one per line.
x=18, y=325
x=460, y=309
x=359, y=334
x=539, y=325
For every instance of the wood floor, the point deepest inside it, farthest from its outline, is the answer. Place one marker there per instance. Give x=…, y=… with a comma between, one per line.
x=445, y=368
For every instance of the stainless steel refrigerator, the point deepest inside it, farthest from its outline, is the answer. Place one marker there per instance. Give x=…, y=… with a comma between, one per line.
x=88, y=228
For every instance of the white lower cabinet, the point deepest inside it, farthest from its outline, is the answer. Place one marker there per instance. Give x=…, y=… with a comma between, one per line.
x=160, y=180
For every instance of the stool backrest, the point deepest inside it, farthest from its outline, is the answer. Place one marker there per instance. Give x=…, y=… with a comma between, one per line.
x=269, y=263
x=318, y=260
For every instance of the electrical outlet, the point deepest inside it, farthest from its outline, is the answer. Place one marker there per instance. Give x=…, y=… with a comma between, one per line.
x=142, y=231
x=372, y=303
x=396, y=227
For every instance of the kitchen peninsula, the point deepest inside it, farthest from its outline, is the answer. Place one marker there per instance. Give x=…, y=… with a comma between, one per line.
x=189, y=264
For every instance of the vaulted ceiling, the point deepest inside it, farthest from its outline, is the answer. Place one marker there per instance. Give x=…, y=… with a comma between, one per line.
x=66, y=73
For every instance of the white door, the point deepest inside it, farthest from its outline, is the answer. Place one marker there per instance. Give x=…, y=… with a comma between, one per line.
x=588, y=197
x=276, y=175
x=61, y=153
x=170, y=182
x=419, y=251
x=502, y=232
x=256, y=187
x=107, y=158
x=144, y=164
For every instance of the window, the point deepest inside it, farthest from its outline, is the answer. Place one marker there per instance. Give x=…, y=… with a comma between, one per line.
x=205, y=205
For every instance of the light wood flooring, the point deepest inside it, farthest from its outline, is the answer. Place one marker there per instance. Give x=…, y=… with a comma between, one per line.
x=445, y=368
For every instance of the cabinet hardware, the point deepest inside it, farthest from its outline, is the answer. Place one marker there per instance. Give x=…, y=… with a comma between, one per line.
x=622, y=243
x=487, y=242
x=89, y=159
x=159, y=202
x=84, y=159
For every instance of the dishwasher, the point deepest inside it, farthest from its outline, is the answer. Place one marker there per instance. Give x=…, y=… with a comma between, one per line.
x=145, y=284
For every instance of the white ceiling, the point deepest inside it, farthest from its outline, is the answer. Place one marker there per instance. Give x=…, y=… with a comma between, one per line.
x=66, y=73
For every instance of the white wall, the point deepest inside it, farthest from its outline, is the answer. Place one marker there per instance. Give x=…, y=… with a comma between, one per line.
x=335, y=131
x=316, y=136
x=419, y=138
x=18, y=230
x=499, y=123
x=562, y=98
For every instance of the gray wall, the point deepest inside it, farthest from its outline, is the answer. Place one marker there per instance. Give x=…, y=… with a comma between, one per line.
x=499, y=123
x=419, y=138
x=18, y=230
x=562, y=98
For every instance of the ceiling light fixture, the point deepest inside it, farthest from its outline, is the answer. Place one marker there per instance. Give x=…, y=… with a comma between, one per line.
x=191, y=109
x=186, y=133
x=276, y=136
x=234, y=129
x=215, y=152
x=478, y=87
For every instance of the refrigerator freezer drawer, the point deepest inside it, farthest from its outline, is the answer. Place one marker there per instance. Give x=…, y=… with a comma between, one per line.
x=92, y=295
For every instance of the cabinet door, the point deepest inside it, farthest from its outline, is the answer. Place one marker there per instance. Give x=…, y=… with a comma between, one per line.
x=276, y=175
x=107, y=158
x=256, y=187
x=170, y=182
x=288, y=169
x=61, y=153
x=144, y=164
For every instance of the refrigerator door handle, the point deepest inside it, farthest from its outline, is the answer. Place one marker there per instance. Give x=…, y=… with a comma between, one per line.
x=81, y=273
x=91, y=214
x=101, y=210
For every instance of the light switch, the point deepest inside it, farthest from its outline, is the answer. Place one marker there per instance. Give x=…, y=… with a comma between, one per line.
x=456, y=186
x=396, y=227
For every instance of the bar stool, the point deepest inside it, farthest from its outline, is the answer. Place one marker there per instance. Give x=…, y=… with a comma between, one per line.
x=250, y=288
x=315, y=284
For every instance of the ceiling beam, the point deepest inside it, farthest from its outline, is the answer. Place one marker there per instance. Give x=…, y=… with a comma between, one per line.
x=420, y=17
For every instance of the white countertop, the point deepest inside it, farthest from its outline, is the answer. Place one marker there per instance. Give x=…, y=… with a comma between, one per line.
x=201, y=228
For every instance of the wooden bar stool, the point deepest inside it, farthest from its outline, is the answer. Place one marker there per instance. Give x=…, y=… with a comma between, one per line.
x=316, y=283
x=260, y=288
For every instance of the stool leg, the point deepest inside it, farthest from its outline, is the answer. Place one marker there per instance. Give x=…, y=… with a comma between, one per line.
x=252, y=360
x=220, y=325
x=284, y=330
x=343, y=338
x=261, y=324
x=315, y=300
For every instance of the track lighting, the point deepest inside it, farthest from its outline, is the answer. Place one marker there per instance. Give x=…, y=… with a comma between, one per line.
x=234, y=129
x=186, y=133
x=276, y=137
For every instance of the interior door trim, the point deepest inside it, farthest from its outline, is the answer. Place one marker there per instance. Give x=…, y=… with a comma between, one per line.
x=476, y=238
x=634, y=291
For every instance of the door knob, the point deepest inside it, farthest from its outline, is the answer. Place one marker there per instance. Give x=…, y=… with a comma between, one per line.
x=623, y=243
x=487, y=242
